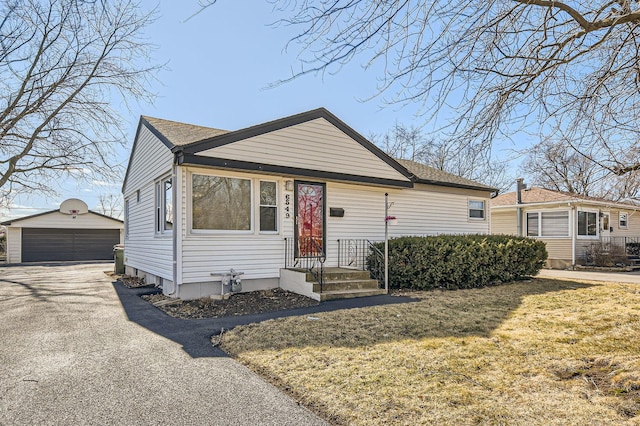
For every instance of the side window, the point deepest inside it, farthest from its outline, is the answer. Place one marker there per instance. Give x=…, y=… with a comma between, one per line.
x=587, y=224
x=476, y=209
x=623, y=219
x=164, y=205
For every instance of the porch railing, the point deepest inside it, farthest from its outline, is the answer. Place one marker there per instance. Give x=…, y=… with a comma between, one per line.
x=630, y=245
x=362, y=255
x=612, y=249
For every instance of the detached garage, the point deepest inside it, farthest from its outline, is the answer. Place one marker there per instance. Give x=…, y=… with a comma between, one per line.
x=72, y=233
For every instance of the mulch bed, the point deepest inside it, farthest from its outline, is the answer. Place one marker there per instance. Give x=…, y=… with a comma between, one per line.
x=129, y=282
x=254, y=302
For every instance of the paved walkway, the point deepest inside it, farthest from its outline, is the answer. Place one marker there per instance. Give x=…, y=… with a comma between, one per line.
x=621, y=277
x=73, y=353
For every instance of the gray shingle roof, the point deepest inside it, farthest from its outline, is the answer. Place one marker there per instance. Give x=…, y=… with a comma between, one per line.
x=431, y=175
x=182, y=133
x=535, y=195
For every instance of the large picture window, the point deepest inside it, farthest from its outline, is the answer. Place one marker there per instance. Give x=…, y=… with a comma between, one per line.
x=221, y=203
x=587, y=224
x=548, y=224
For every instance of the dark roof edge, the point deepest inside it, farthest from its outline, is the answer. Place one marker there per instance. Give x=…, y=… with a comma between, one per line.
x=192, y=159
x=289, y=121
x=156, y=133
x=455, y=185
x=9, y=222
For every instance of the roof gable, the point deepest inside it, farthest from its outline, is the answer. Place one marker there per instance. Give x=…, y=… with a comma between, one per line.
x=286, y=122
x=57, y=212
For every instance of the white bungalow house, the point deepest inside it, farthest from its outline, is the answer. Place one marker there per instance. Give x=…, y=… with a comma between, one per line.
x=569, y=224
x=299, y=192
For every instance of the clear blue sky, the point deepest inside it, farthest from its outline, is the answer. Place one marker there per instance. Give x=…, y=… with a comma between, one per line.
x=220, y=66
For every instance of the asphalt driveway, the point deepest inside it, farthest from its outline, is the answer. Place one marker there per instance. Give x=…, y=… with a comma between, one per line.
x=70, y=354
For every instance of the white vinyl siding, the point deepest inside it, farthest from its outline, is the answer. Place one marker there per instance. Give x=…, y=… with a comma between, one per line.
x=14, y=245
x=314, y=145
x=126, y=218
x=420, y=211
x=151, y=160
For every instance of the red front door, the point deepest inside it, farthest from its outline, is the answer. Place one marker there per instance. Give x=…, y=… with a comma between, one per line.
x=310, y=219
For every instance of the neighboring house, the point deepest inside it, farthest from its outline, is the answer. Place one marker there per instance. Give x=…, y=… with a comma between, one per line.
x=71, y=233
x=200, y=201
x=567, y=223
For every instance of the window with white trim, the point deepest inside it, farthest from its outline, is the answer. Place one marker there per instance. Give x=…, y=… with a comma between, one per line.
x=164, y=205
x=553, y=223
x=268, y=206
x=476, y=209
x=220, y=203
x=587, y=223
x=623, y=220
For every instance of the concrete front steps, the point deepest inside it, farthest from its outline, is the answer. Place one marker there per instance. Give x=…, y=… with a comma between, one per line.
x=634, y=262
x=339, y=283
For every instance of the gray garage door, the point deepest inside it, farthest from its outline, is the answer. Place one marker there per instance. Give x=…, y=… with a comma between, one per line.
x=42, y=245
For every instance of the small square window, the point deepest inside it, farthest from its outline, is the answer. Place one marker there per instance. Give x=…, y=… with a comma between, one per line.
x=623, y=220
x=476, y=209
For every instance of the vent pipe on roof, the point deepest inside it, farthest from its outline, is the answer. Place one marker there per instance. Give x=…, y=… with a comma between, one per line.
x=520, y=186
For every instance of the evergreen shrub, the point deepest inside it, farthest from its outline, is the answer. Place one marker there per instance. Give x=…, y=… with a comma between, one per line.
x=460, y=261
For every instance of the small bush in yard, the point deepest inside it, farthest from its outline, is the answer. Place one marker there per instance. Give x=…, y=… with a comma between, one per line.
x=460, y=261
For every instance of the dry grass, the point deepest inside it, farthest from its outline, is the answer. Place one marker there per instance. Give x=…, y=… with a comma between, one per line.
x=543, y=352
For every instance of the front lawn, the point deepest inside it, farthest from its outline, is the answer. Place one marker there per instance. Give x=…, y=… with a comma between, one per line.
x=541, y=352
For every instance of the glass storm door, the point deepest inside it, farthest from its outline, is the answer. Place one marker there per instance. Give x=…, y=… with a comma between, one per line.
x=310, y=219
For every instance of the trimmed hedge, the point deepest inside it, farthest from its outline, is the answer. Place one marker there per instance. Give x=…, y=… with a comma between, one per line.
x=460, y=261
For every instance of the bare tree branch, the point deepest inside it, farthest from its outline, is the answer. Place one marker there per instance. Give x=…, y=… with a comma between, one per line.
x=60, y=63
x=569, y=70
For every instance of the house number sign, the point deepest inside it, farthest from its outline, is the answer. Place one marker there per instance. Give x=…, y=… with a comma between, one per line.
x=287, y=206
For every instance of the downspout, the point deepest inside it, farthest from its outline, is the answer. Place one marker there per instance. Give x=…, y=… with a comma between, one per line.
x=176, y=228
x=519, y=187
